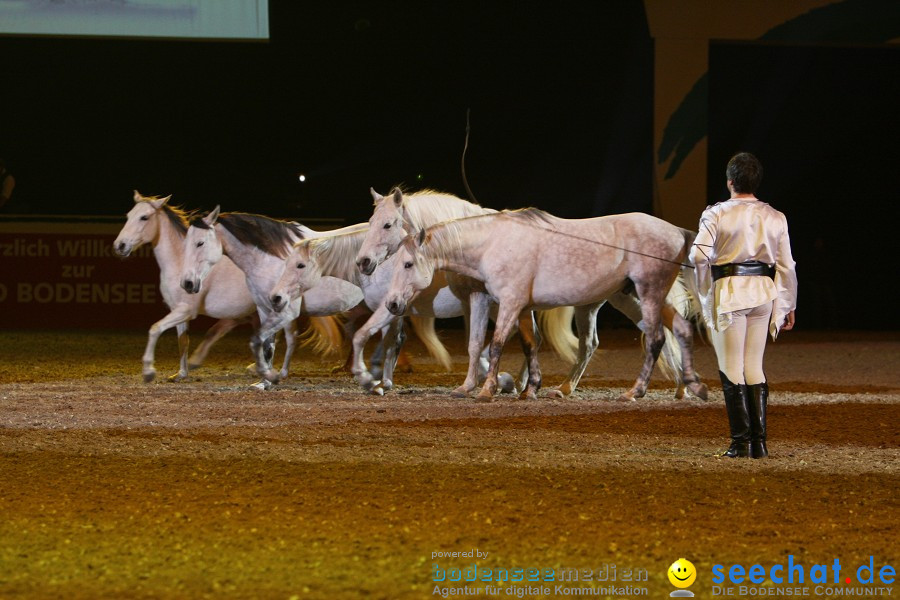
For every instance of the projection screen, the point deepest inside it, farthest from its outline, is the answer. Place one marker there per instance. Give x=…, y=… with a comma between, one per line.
x=215, y=19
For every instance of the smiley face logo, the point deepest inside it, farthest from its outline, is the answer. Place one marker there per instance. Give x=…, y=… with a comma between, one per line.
x=682, y=573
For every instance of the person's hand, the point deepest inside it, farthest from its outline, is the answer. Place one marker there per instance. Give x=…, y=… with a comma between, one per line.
x=788, y=322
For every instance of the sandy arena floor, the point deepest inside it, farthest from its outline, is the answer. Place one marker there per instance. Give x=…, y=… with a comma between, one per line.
x=111, y=488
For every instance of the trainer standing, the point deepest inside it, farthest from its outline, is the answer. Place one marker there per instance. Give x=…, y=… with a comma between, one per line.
x=748, y=288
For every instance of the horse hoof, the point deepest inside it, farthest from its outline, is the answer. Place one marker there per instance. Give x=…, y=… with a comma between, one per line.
x=699, y=389
x=149, y=376
x=192, y=366
x=527, y=395
x=506, y=383
x=262, y=385
x=377, y=391
x=370, y=384
x=177, y=377
x=625, y=398
x=459, y=392
x=483, y=397
x=557, y=394
x=387, y=385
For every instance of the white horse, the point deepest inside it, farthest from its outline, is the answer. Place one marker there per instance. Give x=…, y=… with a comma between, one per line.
x=401, y=214
x=153, y=221
x=444, y=297
x=258, y=246
x=529, y=259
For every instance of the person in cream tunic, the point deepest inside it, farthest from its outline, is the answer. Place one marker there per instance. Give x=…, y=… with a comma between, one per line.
x=747, y=281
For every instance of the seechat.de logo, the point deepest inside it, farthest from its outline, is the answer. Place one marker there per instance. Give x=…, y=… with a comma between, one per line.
x=829, y=579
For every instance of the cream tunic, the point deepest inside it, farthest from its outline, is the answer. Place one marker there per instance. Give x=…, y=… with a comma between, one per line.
x=740, y=230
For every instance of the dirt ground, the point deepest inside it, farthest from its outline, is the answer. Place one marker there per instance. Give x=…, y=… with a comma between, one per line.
x=112, y=488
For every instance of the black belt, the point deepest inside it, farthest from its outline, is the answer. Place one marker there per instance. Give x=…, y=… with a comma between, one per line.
x=753, y=267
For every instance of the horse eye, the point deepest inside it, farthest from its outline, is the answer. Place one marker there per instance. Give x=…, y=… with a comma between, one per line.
x=301, y=266
x=200, y=243
x=145, y=217
x=407, y=265
x=387, y=225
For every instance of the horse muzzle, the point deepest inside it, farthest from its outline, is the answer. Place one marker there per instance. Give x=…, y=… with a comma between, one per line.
x=366, y=265
x=122, y=249
x=396, y=307
x=190, y=286
x=278, y=301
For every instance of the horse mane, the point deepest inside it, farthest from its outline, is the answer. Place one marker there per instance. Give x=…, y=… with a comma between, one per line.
x=336, y=254
x=177, y=216
x=273, y=236
x=446, y=236
x=427, y=207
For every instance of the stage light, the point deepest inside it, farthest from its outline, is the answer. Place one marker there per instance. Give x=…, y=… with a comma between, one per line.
x=302, y=178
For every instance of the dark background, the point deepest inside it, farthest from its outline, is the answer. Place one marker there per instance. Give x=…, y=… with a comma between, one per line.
x=360, y=94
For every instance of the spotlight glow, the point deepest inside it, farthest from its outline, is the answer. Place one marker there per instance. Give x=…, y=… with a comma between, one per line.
x=302, y=178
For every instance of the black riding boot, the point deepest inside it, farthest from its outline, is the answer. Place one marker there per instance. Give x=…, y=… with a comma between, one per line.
x=737, y=407
x=759, y=398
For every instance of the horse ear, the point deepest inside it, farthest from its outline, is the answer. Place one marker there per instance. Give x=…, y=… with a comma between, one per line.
x=420, y=238
x=158, y=203
x=137, y=196
x=376, y=197
x=398, y=197
x=210, y=219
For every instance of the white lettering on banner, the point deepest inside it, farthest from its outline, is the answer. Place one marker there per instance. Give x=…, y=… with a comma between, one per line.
x=86, y=293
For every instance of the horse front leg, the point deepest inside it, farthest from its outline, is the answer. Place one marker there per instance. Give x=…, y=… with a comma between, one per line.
x=531, y=342
x=393, y=343
x=503, y=326
x=290, y=341
x=354, y=315
x=180, y=314
x=476, y=316
x=586, y=326
x=262, y=344
x=378, y=321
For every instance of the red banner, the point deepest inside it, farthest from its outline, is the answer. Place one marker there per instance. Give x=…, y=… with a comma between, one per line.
x=65, y=275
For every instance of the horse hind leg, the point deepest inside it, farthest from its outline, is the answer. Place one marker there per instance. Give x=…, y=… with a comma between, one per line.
x=651, y=311
x=213, y=335
x=586, y=326
x=531, y=342
x=184, y=342
x=683, y=332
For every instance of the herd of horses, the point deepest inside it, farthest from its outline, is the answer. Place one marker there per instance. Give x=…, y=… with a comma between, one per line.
x=424, y=256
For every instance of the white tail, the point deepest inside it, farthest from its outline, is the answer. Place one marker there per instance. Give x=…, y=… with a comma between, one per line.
x=424, y=328
x=324, y=335
x=556, y=330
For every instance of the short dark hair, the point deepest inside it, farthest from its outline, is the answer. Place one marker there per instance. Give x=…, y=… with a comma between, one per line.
x=744, y=172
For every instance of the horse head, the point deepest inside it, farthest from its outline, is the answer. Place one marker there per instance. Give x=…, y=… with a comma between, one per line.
x=387, y=228
x=413, y=272
x=202, y=250
x=141, y=225
x=302, y=271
